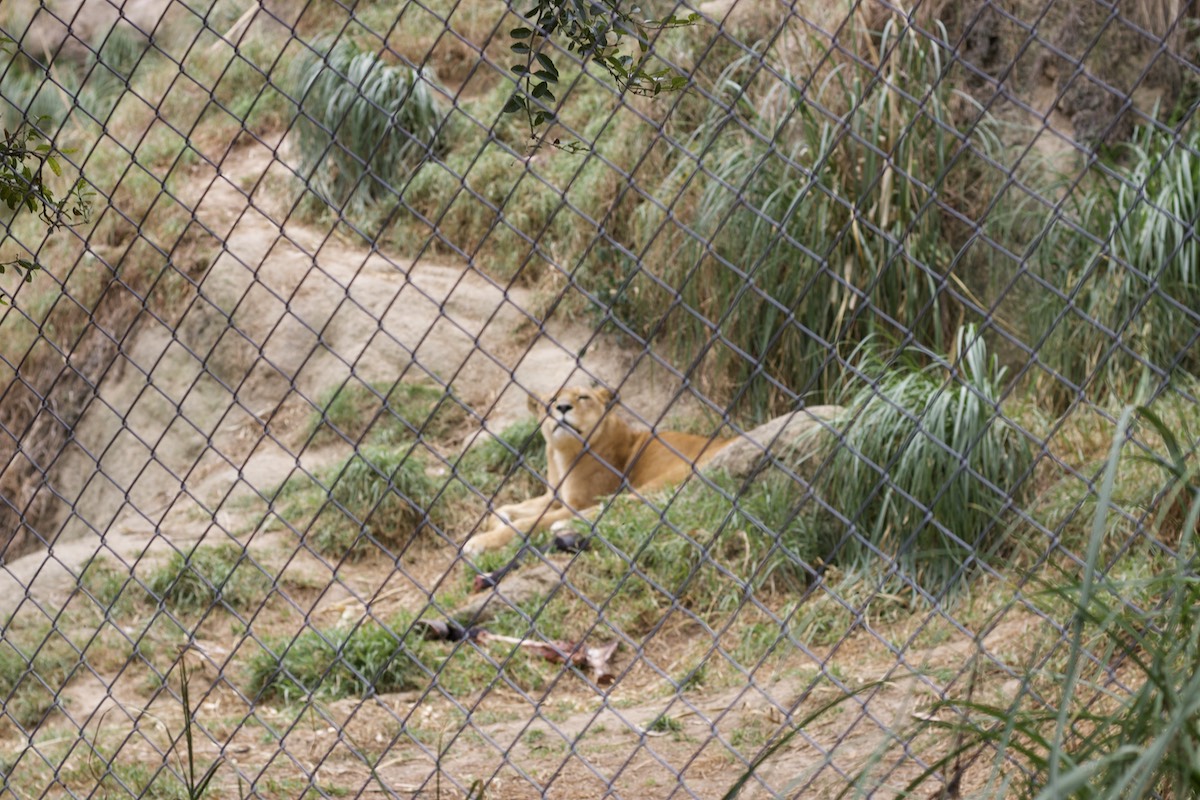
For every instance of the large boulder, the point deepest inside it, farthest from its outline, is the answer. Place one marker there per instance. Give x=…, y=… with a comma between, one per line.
x=791, y=439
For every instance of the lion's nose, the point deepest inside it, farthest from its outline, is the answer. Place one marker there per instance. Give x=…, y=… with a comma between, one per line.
x=563, y=407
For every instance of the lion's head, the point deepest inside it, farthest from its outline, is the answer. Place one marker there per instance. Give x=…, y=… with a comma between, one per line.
x=575, y=413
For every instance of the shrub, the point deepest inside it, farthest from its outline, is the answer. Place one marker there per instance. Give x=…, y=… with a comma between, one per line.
x=820, y=219
x=364, y=125
x=1120, y=273
x=925, y=466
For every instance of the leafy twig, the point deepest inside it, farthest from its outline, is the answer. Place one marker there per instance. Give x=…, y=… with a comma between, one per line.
x=594, y=32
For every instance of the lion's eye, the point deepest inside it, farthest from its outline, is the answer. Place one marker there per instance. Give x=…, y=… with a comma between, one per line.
x=584, y=397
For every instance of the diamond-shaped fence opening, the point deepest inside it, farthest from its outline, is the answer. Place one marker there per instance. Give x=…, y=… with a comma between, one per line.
x=589, y=400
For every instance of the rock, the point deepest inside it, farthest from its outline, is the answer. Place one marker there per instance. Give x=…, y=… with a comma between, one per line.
x=792, y=438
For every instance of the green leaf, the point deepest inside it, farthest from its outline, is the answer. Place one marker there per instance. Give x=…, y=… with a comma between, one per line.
x=548, y=64
x=520, y=33
x=515, y=103
x=519, y=47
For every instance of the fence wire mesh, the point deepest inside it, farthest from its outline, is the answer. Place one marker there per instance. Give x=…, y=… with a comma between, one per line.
x=450, y=399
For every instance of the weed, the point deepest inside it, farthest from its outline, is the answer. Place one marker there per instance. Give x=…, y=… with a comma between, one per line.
x=195, y=786
x=222, y=574
x=665, y=724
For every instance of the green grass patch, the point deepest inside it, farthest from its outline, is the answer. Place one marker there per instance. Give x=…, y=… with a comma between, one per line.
x=36, y=662
x=705, y=552
x=209, y=575
x=374, y=413
x=1068, y=505
x=377, y=497
x=114, y=591
x=509, y=465
x=386, y=491
x=369, y=658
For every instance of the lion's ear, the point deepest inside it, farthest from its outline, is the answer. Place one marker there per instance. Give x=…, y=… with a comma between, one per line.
x=605, y=395
x=535, y=403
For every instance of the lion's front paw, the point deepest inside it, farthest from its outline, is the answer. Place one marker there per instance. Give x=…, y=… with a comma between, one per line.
x=488, y=540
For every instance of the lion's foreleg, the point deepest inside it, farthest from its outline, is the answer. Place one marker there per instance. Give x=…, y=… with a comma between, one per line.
x=533, y=507
x=501, y=534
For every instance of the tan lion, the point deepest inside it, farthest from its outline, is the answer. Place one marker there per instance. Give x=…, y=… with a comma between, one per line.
x=578, y=477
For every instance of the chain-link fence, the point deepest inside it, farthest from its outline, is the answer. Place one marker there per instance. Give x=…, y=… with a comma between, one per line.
x=312, y=427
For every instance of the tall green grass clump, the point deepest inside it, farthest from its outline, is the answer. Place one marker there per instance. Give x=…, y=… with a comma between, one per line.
x=1076, y=731
x=1127, y=259
x=926, y=464
x=364, y=126
x=370, y=658
x=820, y=222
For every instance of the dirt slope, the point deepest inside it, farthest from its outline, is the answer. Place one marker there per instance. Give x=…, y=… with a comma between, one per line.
x=190, y=420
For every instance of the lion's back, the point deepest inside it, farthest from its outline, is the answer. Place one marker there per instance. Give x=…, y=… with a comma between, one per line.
x=668, y=457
